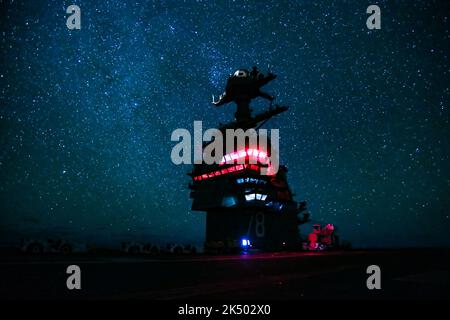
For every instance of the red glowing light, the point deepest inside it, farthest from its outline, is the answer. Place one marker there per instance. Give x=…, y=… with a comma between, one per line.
x=261, y=156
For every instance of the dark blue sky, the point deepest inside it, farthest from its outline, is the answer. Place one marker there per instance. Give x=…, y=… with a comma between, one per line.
x=86, y=115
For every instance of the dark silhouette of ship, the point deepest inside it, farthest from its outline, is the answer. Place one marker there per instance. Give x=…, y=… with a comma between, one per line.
x=246, y=209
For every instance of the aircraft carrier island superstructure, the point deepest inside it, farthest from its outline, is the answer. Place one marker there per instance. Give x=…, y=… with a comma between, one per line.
x=246, y=209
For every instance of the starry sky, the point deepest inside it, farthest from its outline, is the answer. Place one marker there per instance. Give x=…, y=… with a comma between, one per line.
x=86, y=115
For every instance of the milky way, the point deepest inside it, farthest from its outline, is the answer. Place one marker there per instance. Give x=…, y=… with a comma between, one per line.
x=86, y=115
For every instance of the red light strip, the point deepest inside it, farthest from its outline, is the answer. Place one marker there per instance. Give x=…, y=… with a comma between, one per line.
x=232, y=169
x=261, y=156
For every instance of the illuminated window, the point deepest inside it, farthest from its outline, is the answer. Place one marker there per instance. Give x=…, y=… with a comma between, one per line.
x=255, y=196
x=250, y=197
x=229, y=201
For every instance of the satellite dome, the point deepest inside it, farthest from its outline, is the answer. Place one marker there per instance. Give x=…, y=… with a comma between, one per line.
x=241, y=73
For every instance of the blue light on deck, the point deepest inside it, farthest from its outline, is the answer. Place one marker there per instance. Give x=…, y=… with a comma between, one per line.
x=245, y=243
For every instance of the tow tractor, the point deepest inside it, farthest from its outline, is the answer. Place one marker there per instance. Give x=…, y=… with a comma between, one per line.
x=321, y=238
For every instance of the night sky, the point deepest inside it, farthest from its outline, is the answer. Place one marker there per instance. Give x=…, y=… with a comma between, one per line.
x=86, y=115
